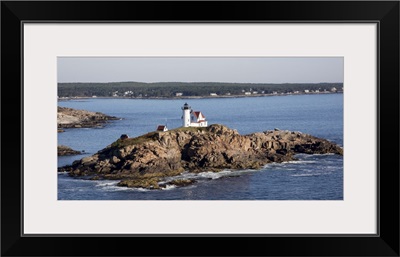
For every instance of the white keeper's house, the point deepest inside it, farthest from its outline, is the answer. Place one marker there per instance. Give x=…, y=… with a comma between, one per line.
x=192, y=118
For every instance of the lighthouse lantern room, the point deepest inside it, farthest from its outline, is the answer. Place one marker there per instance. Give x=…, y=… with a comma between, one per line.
x=192, y=119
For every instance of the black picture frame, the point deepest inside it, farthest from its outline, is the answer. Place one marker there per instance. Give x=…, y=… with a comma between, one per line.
x=384, y=13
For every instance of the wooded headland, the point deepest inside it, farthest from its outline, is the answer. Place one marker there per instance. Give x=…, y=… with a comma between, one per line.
x=190, y=89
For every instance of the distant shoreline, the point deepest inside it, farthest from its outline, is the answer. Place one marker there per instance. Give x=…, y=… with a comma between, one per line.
x=197, y=97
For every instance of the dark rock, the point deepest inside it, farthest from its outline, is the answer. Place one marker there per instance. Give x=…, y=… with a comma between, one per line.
x=63, y=150
x=181, y=182
x=147, y=183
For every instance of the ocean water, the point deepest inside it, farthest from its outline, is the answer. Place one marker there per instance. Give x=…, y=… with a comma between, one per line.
x=311, y=177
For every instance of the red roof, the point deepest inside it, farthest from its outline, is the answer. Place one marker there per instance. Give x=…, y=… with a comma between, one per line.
x=197, y=114
x=160, y=127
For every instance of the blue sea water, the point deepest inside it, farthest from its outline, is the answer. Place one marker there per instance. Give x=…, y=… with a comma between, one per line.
x=311, y=177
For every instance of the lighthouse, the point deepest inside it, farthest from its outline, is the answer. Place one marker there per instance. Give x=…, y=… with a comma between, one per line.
x=191, y=118
x=186, y=115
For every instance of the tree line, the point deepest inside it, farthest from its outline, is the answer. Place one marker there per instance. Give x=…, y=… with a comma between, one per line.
x=170, y=89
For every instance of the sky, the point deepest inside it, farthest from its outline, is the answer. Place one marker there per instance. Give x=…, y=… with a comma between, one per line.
x=201, y=69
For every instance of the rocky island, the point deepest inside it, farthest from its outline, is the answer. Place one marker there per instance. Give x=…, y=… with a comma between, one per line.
x=63, y=150
x=146, y=161
x=72, y=118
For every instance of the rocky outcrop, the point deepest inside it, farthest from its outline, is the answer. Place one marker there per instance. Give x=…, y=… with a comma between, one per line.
x=63, y=150
x=72, y=118
x=214, y=148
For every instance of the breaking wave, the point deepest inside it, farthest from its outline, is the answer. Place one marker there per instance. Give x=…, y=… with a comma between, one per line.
x=168, y=187
x=111, y=186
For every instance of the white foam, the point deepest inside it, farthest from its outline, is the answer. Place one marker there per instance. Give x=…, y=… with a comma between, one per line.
x=187, y=175
x=119, y=188
x=300, y=161
x=209, y=174
x=111, y=186
x=319, y=154
x=285, y=164
x=108, y=183
x=225, y=173
x=303, y=175
x=168, y=187
x=184, y=175
x=139, y=189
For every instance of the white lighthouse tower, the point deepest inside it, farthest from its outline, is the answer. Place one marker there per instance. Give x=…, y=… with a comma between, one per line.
x=186, y=115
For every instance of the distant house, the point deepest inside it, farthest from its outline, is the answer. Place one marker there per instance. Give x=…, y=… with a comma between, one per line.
x=162, y=128
x=274, y=93
x=213, y=94
x=247, y=93
x=306, y=91
x=178, y=94
x=333, y=89
x=255, y=92
x=296, y=92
